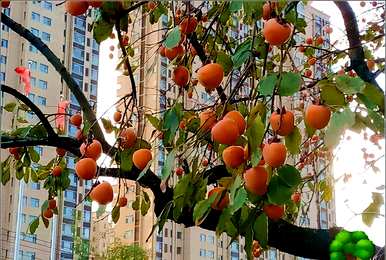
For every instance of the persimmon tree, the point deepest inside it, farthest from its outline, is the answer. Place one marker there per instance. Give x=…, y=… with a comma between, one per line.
x=251, y=146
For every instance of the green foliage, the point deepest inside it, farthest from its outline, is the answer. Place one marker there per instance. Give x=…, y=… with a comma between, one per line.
x=267, y=85
x=349, y=85
x=255, y=134
x=289, y=83
x=339, y=122
x=169, y=163
x=330, y=95
x=120, y=251
x=102, y=29
x=293, y=141
x=225, y=60
x=242, y=53
x=145, y=203
x=202, y=209
x=373, y=210
x=115, y=213
x=282, y=185
x=260, y=229
x=10, y=107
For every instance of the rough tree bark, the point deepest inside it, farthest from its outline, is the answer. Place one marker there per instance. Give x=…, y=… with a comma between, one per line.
x=305, y=242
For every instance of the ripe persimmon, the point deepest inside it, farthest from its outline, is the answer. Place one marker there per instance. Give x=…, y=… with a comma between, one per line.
x=267, y=11
x=57, y=171
x=222, y=198
x=141, y=158
x=311, y=61
x=255, y=180
x=309, y=41
x=274, y=154
x=317, y=116
x=5, y=3
x=181, y=76
x=283, y=123
x=370, y=64
x=182, y=125
x=177, y=51
x=128, y=137
x=210, y=76
x=13, y=150
x=307, y=73
x=162, y=51
x=117, y=116
x=60, y=151
x=276, y=33
x=188, y=25
x=79, y=135
x=122, y=202
x=151, y=5
x=319, y=40
x=207, y=120
x=48, y=213
x=52, y=203
x=274, y=212
x=225, y=132
x=302, y=48
x=179, y=171
x=190, y=94
x=328, y=29
x=295, y=197
x=76, y=119
x=102, y=193
x=205, y=162
x=76, y=7
x=238, y=118
x=86, y=168
x=95, y=3
x=93, y=150
x=233, y=156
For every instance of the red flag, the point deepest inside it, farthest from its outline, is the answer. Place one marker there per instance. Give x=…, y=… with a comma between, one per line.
x=25, y=76
x=59, y=121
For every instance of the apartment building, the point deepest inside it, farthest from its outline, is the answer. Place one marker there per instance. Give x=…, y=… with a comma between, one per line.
x=156, y=91
x=70, y=38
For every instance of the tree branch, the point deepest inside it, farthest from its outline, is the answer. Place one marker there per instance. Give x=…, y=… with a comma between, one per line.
x=356, y=53
x=32, y=106
x=56, y=63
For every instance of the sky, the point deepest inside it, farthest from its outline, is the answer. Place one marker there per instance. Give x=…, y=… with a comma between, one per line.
x=353, y=196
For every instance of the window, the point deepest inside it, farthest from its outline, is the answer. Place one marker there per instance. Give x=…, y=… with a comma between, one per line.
x=95, y=59
x=77, y=69
x=67, y=229
x=43, y=84
x=32, y=65
x=26, y=255
x=33, y=49
x=43, y=68
x=47, y=5
x=94, y=74
x=28, y=237
x=179, y=235
x=179, y=249
x=31, y=97
x=210, y=239
x=79, y=22
x=25, y=200
x=78, y=53
x=35, y=32
x=95, y=45
x=31, y=218
x=128, y=234
x=7, y=11
x=202, y=252
x=46, y=36
x=93, y=89
x=234, y=247
x=33, y=81
x=165, y=248
x=2, y=76
x=86, y=233
x=42, y=101
x=35, y=186
x=166, y=232
x=4, y=28
x=202, y=237
x=23, y=218
x=68, y=212
x=129, y=219
x=78, y=38
x=35, y=17
x=47, y=21
x=34, y=203
x=67, y=246
x=70, y=195
x=158, y=247
x=4, y=43
x=39, y=150
x=3, y=59
x=210, y=254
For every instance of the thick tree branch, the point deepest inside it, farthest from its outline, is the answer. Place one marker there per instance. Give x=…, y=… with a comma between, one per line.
x=356, y=53
x=56, y=63
x=32, y=106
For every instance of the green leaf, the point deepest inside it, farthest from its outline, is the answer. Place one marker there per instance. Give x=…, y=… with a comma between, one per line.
x=5, y=171
x=331, y=95
x=157, y=13
x=235, y=6
x=377, y=121
x=181, y=191
x=375, y=95
x=135, y=204
x=239, y=199
x=202, y=209
x=169, y=163
x=373, y=210
x=126, y=160
x=225, y=224
x=145, y=203
x=260, y=230
x=224, y=60
x=267, y=84
x=242, y=53
x=349, y=85
x=289, y=84
x=107, y=125
x=102, y=30
x=339, y=122
x=154, y=121
x=10, y=107
x=170, y=123
x=35, y=157
x=278, y=191
x=255, y=133
x=115, y=213
x=248, y=242
x=289, y=175
x=293, y=141
x=173, y=38
x=33, y=226
x=27, y=171
x=144, y=171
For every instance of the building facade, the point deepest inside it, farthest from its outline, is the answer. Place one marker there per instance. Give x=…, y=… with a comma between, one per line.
x=70, y=38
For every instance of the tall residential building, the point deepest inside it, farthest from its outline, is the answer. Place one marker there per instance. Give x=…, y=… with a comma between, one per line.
x=157, y=91
x=70, y=38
